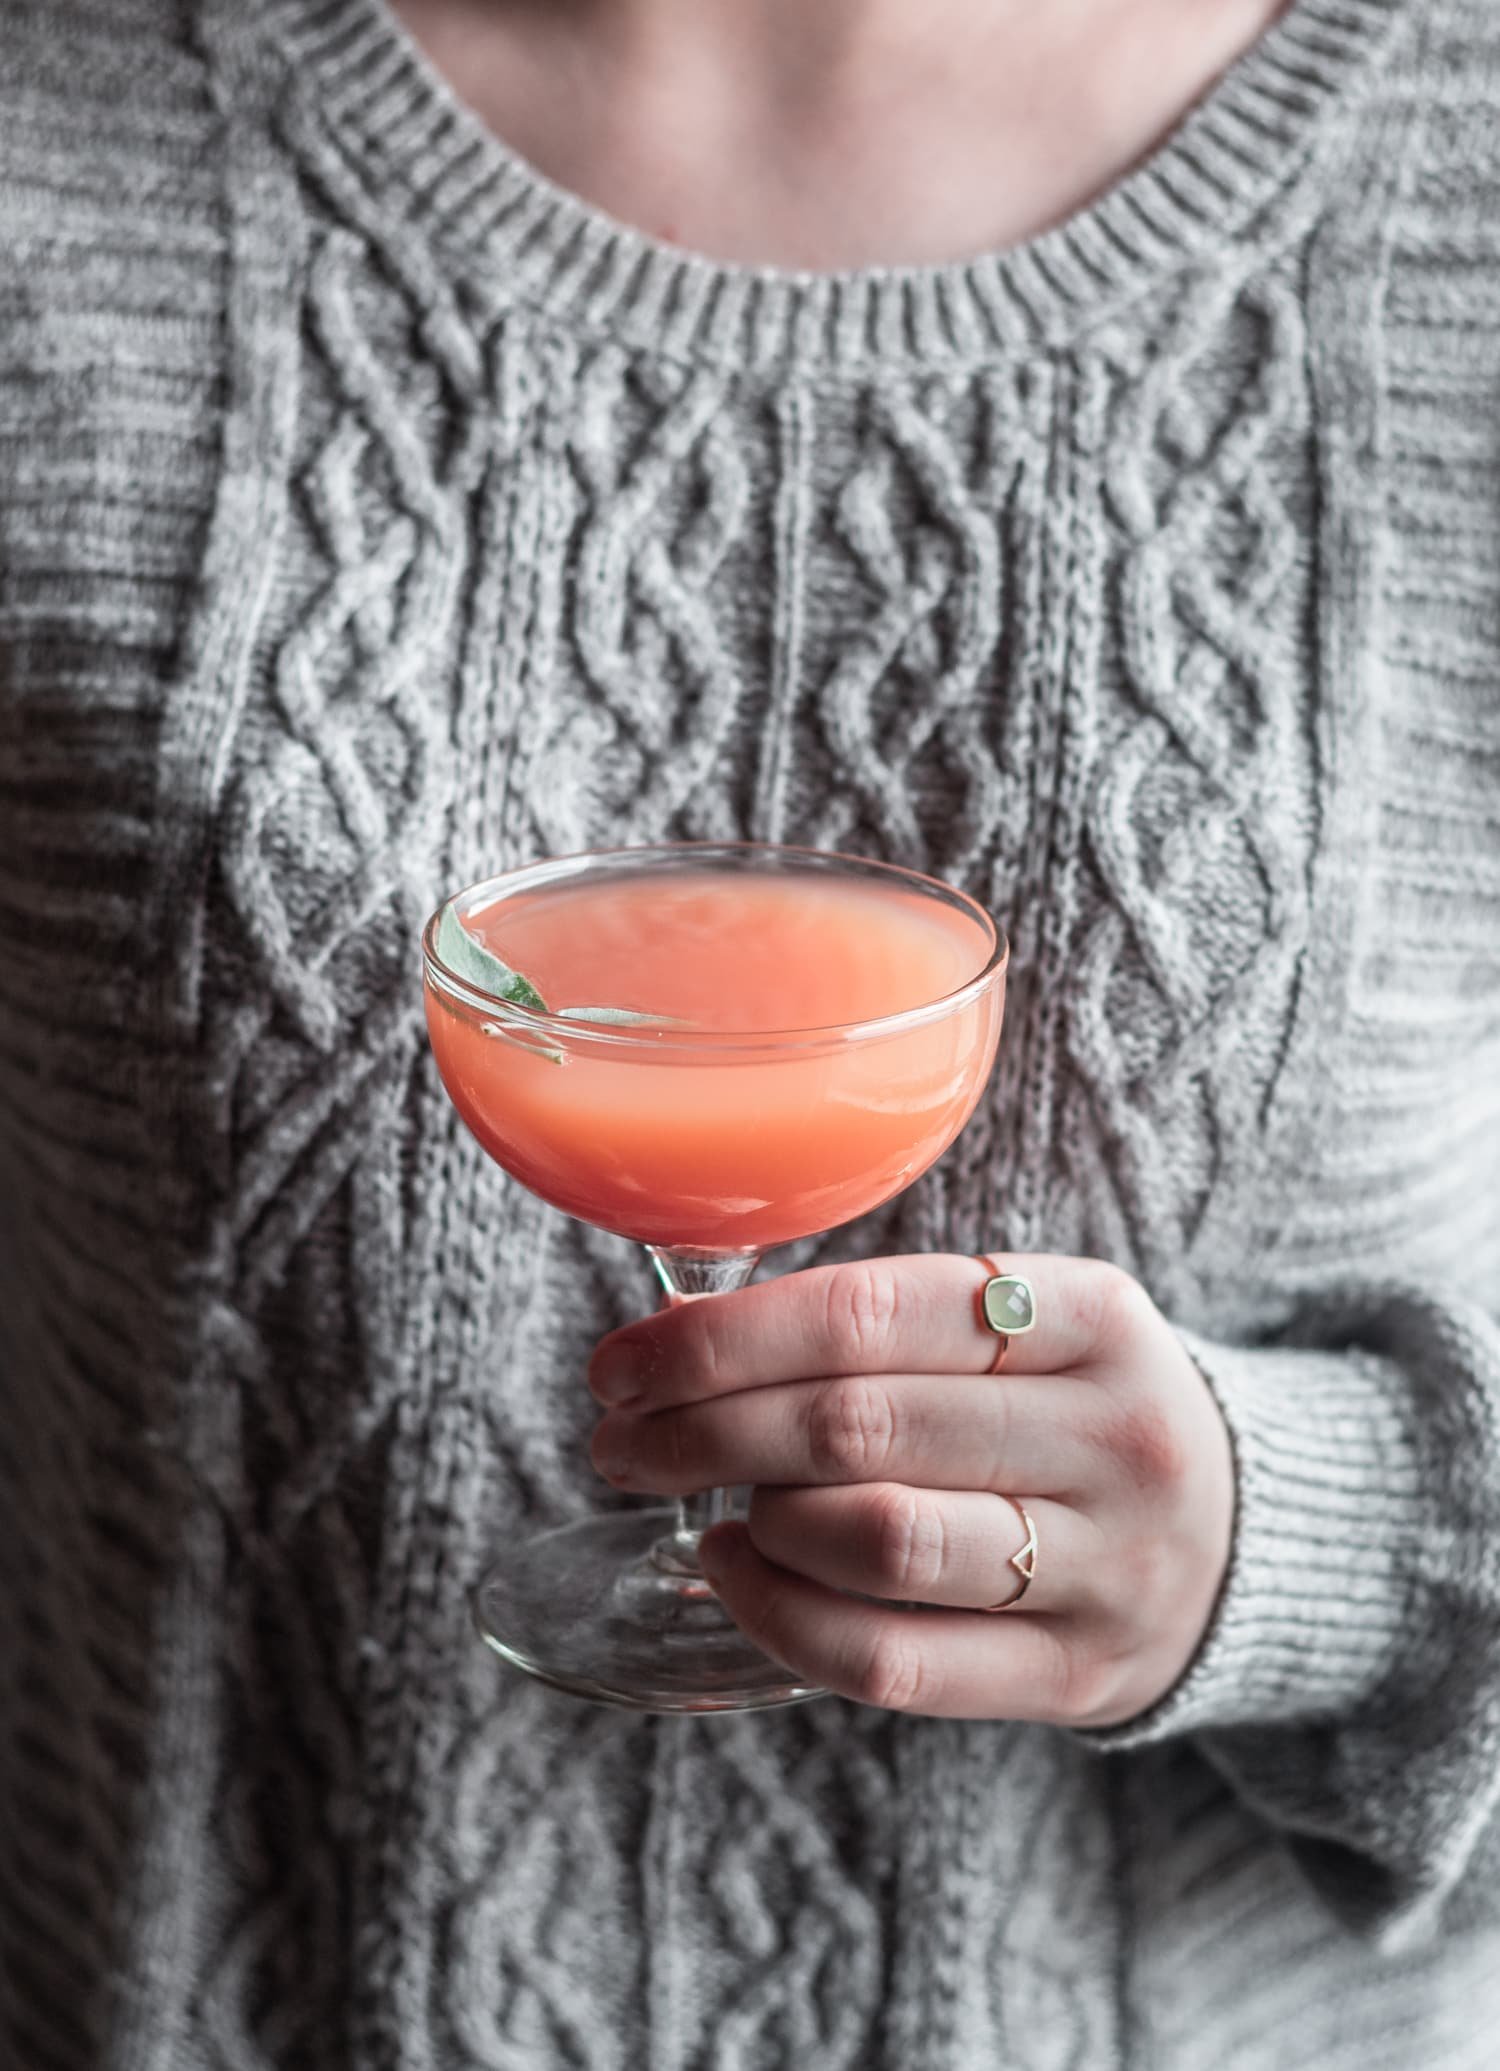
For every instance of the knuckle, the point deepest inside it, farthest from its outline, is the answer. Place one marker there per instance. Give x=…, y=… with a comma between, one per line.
x=849, y=1431
x=892, y=1674
x=1115, y=1307
x=1146, y=1571
x=1145, y=1445
x=863, y=1306
x=704, y=1346
x=907, y=1549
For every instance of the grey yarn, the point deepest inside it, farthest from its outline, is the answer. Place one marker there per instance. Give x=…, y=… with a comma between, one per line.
x=372, y=515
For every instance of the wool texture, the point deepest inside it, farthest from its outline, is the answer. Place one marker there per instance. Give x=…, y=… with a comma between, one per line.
x=374, y=516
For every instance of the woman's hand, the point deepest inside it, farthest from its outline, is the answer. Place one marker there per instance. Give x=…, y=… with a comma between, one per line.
x=855, y=1399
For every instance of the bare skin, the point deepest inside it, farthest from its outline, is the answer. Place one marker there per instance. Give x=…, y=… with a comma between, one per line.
x=851, y=133
x=887, y=1462
x=856, y=1401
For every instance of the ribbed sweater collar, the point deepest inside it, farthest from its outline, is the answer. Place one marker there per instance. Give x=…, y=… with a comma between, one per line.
x=517, y=235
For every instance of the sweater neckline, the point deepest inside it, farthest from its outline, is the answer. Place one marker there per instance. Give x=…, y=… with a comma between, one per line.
x=518, y=236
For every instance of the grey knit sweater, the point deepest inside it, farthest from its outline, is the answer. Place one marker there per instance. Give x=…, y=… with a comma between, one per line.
x=372, y=515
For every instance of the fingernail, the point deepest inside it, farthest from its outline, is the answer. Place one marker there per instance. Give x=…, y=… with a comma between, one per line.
x=617, y=1375
x=611, y=1452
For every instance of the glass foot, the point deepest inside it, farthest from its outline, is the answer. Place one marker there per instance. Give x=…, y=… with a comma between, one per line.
x=609, y=1608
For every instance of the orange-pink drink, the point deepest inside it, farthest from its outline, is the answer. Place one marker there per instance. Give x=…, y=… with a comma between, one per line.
x=742, y=1128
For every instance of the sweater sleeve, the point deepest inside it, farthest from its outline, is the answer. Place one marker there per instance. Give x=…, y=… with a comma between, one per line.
x=1348, y=1686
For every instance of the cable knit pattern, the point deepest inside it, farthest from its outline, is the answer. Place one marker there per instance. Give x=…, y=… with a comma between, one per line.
x=373, y=515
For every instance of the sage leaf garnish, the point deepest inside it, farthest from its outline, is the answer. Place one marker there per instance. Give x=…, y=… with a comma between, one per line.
x=467, y=958
x=621, y=1017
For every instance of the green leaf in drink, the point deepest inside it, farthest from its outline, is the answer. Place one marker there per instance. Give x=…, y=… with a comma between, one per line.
x=467, y=958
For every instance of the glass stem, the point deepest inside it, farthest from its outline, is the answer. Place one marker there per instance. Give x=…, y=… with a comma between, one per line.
x=689, y=1275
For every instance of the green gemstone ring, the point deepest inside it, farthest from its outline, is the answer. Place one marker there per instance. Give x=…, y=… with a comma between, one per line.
x=1007, y=1307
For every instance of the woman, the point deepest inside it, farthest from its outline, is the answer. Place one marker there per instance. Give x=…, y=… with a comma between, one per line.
x=1057, y=448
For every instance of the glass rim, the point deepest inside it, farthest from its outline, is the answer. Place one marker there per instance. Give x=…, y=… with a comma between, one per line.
x=646, y=1040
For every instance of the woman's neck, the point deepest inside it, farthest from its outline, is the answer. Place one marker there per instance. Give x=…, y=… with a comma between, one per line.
x=846, y=134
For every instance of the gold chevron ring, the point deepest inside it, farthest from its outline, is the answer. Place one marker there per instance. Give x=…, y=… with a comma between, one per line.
x=1023, y=1562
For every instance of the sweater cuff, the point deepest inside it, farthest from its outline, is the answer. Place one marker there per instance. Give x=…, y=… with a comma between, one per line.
x=1330, y=1510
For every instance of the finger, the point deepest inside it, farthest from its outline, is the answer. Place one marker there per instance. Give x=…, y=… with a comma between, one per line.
x=929, y=1546
x=886, y=1315
x=1050, y=1436
x=943, y=1664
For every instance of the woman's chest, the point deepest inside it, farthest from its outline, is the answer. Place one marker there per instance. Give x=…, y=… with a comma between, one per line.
x=1050, y=631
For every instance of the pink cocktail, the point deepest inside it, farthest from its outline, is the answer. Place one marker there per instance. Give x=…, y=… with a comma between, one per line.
x=792, y=1038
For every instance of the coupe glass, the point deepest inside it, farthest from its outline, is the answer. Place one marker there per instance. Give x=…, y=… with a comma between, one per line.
x=707, y=1146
